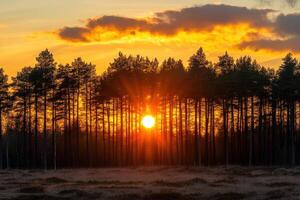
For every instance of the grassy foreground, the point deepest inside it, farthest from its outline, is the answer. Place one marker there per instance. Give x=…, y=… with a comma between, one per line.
x=152, y=183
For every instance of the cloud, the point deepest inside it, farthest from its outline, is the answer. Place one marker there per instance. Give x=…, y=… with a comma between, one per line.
x=117, y=22
x=168, y=23
x=287, y=30
x=210, y=15
x=290, y=44
x=74, y=34
x=291, y=3
x=281, y=33
x=288, y=24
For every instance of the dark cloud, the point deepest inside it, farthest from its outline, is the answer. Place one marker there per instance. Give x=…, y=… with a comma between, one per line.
x=116, y=22
x=170, y=22
x=74, y=34
x=290, y=44
x=288, y=24
x=210, y=15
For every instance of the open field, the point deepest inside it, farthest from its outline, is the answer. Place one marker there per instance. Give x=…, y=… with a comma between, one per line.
x=152, y=183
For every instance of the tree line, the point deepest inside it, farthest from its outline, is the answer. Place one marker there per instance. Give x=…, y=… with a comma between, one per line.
x=228, y=112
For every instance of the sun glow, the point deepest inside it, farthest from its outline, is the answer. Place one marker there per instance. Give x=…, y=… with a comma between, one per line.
x=148, y=121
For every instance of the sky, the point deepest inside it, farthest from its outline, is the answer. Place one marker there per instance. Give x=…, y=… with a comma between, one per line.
x=97, y=30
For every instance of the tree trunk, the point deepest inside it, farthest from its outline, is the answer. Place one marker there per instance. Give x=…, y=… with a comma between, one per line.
x=251, y=137
x=200, y=131
x=196, y=134
x=275, y=145
x=1, y=139
x=206, y=131
x=225, y=129
x=232, y=131
x=77, y=127
x=29, y=133
x=69, y=132
x=171, y=130
x=87, y=126
x=36, y=131
x=186, y=130
x=96, y=135
x=108, y=133
x=292, y=131
x=45, y=130
x=213, y=138
x=103, y=133
x=91, y=121
x=53, y=135
x=24, y=127
x=180, y=132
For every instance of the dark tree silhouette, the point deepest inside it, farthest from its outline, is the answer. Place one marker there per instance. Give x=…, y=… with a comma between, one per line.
x=230, y=112
x=4, y=105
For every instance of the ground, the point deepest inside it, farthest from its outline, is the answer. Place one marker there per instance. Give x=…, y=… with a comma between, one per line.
x=152, y=183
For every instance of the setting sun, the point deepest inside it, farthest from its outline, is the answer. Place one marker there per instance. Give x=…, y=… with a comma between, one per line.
x=148, y=121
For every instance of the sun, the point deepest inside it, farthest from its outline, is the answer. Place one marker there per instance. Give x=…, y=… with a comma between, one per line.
x=148, y=121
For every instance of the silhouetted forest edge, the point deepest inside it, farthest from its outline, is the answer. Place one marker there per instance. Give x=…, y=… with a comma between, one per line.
x=232, y=112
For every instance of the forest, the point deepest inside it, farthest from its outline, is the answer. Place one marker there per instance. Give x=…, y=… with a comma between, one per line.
x=231, y=112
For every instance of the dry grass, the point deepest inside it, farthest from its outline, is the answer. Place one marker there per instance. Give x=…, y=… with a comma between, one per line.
x=32, y=189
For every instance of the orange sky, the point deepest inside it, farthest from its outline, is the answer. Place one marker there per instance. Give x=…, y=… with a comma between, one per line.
x=142, y=28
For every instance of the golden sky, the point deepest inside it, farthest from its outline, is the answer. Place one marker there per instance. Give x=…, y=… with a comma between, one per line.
x=97, y=30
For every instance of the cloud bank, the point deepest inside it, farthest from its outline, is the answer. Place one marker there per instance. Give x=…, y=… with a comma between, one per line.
x=285, y=28
x=170, y=22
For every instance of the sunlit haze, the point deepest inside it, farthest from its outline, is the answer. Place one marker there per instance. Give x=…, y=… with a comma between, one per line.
x=148, y=121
